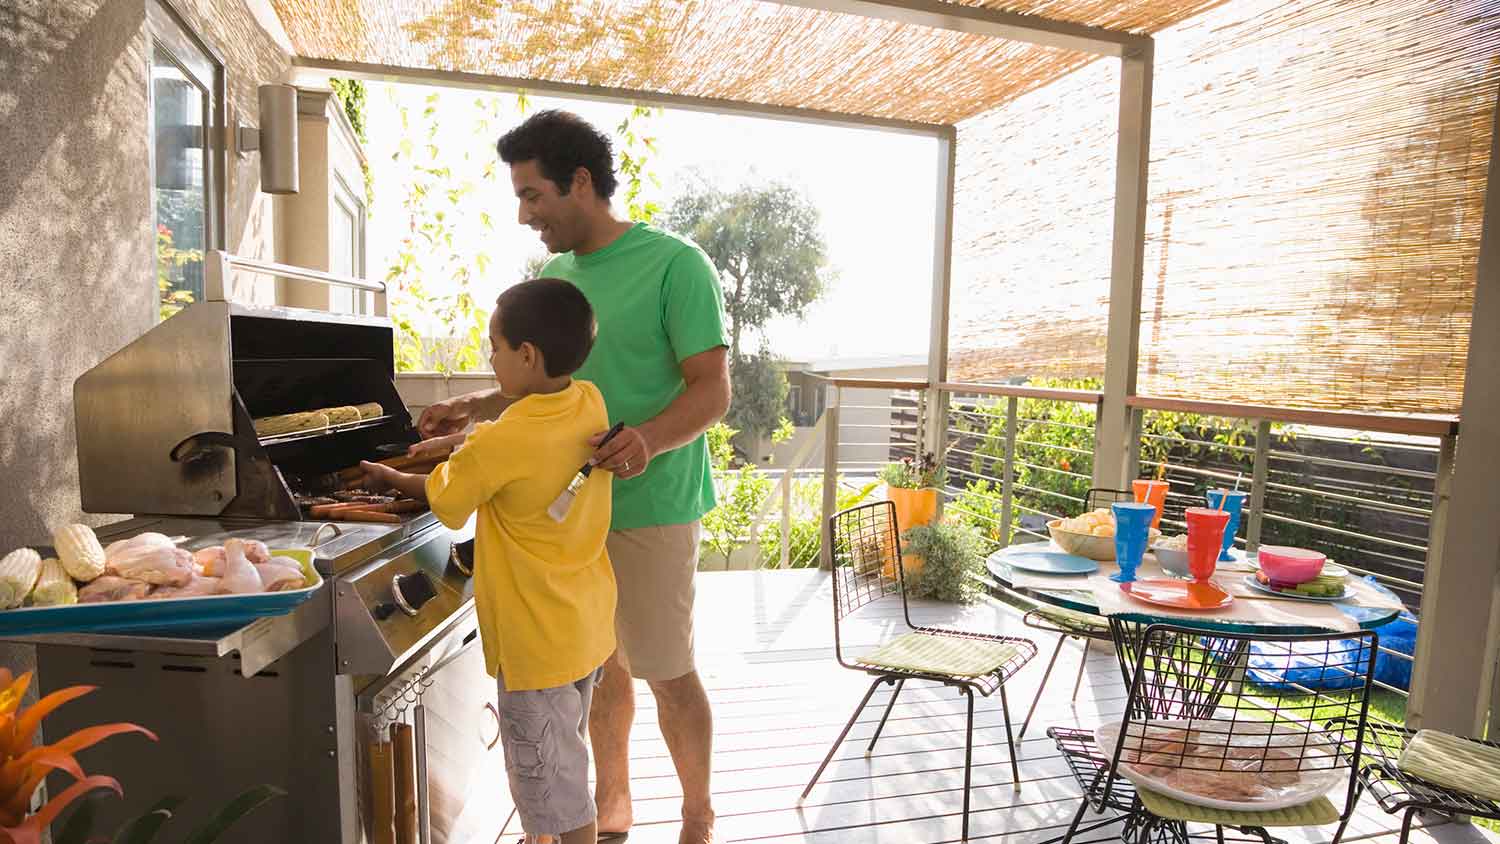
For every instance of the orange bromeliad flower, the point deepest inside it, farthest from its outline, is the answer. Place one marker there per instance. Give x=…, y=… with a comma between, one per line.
x=23, y=764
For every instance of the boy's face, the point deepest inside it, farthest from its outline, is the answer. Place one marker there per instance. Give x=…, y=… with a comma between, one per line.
x=554, y=215
x=515, y=369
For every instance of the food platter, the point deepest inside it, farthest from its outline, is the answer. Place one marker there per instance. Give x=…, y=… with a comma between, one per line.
x=208, y=612
x=1228, y=764
x=1255, y=584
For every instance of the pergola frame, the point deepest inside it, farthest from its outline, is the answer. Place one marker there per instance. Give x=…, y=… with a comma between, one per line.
x=1450, y=647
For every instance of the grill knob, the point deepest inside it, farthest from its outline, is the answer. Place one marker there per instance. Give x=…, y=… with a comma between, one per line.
x=411, y=591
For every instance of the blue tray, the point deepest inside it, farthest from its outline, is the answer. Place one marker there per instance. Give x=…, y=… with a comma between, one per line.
x=1049, y=562
x=210, y=613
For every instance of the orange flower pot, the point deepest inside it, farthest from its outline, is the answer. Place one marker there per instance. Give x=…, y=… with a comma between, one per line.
x=914, y=508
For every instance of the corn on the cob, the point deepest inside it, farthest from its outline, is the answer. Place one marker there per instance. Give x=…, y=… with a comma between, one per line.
x=288, y=423
x=53, y=586
x=79, y=551
x=370, y=410
x=18, y=571
x=340, y=415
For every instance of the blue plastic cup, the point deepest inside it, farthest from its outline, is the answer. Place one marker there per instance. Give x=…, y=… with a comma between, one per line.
x=1234, y=503
x=1132, y=531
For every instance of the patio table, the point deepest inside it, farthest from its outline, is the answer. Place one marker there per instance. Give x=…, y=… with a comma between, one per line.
x=1128, y=628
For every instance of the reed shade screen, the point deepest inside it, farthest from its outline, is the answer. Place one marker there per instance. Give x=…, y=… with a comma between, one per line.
x=1317, y=181
x=742, y=50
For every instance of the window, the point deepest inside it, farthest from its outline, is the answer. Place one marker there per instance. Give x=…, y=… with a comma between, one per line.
x=186, y=106
x=794, y=403
x=346, y=233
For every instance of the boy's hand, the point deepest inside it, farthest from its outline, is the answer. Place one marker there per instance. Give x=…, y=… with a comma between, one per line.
x=438, y=446
x=378, y=476
x=626, y=455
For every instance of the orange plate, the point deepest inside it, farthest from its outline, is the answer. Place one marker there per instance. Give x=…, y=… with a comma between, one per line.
x=1182, y=594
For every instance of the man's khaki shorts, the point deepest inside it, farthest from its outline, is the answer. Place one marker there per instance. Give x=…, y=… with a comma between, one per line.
x=654, y=568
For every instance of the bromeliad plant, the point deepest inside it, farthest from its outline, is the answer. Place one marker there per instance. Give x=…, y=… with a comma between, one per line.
x=24, y=764
x=922, y=473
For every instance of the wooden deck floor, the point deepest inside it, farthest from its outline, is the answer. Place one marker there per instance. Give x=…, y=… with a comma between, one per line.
x=765, y=650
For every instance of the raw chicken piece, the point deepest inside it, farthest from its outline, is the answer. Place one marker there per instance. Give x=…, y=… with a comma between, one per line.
x=209, y=561
x=163, y=565
x=147, y=539
x=110, y=588
x=240, y=576
x=256, y=551
x=282, y=574
x=197, y=587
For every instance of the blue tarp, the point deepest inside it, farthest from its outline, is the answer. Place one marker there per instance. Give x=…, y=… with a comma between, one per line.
x=1273, y=666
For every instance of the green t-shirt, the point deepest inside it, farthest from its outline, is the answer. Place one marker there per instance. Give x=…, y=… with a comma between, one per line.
x=657, y=300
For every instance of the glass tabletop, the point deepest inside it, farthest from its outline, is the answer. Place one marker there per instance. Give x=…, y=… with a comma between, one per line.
x=1083, y=601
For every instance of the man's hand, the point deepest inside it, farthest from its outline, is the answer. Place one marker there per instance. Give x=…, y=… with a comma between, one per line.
x=626, y=455
x=379, y=477
x=449, y=416
x=436, y=446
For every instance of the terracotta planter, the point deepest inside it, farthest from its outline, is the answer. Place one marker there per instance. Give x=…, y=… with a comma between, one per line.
x=914, y=508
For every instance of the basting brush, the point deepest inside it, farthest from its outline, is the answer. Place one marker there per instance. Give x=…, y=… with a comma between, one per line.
x=558, y=509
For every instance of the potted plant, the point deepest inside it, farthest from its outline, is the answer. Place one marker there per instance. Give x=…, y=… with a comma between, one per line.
x=911, y=485
x=943, y=562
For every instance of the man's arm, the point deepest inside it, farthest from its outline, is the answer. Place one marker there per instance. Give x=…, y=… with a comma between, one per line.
x=702, y=403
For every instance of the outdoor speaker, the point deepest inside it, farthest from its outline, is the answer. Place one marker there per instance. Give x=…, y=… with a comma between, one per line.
x=278, y=139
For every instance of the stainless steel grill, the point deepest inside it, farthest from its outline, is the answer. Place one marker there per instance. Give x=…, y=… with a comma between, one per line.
x=165, y=430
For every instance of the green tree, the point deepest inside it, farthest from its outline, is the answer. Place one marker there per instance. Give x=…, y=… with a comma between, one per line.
x=766, y=243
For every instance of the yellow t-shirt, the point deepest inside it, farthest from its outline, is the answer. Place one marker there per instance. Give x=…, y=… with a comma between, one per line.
x=544, y=591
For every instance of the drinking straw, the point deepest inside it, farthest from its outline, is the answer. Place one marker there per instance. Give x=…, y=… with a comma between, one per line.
x=1237, y=477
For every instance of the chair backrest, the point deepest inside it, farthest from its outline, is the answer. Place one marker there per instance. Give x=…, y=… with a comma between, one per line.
x=1245, y=716
x=866, y=560
x=1100, y=497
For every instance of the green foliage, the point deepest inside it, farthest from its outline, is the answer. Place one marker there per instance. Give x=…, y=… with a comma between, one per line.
x=784, y=431
x=351, y=95
x=951, y=563
x=170, y=262
x=805, y=531
x=144, y=830
x=726, y=526
x=760, y=390
x=634, y=148
x=924, y=473
x=767, y=244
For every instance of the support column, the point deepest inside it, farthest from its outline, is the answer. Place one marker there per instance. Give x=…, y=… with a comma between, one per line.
x=935, y=434
x=1127, y=262
x=1456, y=644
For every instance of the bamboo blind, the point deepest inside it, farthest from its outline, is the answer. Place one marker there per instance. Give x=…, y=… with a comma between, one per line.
x=1317, y=182
x=742, y=50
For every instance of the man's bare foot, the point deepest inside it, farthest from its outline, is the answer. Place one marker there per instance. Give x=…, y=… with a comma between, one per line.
x=615, y=815
x=697, y=832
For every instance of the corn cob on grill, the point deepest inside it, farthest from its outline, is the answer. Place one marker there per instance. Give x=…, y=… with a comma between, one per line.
x=53, y=586
x=18, y=572
x=370, y=410
x=288, y=423
x=79, y=551
x=340, y=415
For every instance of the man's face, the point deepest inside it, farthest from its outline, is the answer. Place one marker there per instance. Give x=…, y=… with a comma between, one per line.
x=555, y=216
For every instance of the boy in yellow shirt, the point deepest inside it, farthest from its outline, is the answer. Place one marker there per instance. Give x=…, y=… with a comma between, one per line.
x=544, y=591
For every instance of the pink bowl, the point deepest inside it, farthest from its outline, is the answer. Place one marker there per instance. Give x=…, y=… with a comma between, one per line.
x=1290, y=566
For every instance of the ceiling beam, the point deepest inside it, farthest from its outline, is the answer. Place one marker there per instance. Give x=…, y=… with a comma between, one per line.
x=309, y=72
x=977, y=20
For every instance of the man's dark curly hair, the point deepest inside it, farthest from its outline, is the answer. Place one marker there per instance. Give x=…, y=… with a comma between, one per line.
x=561, y=142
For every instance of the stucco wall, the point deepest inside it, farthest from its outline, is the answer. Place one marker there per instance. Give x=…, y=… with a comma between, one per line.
x=76, y=245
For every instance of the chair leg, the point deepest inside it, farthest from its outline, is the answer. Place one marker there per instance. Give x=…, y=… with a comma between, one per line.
x=1083, y=662
x=888, y=708
x=1406, y=825
x=1359, y=790
x=1010, y=740
x=1083, y=806
x=840, y=740
x=1219, y=833
x=1043, y=687
x=969, y=757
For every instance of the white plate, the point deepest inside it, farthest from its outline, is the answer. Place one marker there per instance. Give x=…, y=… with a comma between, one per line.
x=1317, y=777
x=1253, y=583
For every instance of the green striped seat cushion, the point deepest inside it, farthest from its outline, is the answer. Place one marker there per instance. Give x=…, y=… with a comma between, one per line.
x=1453, y=762
x=1073, y=620
x=951, y=656
x=1314, y=813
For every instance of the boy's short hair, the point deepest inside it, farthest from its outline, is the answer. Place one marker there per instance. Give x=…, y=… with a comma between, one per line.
x=552, y=315
x=560, y=142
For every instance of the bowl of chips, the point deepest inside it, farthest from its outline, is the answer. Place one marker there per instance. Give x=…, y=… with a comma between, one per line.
x=1090, y=535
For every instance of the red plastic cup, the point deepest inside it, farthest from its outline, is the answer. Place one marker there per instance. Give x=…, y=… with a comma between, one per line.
x=1153, y=493
x=1205, y=537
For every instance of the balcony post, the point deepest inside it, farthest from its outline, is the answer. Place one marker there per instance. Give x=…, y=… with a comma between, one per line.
x=1008, y=470
x=830, y=474
x=1258, y=476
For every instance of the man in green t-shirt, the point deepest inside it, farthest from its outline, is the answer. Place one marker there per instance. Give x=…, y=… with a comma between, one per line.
x=660, y=361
